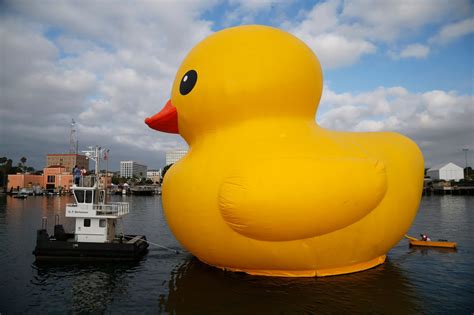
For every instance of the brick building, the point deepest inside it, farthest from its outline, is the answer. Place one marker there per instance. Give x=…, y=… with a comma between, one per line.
x=67, y=160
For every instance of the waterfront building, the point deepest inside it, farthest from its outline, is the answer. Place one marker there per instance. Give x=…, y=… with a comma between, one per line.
x=154, y=175
x=105, y=180
x=24, y=181
x=54, y=178
x=446, y=171
x=132, y=168
x=174, y=156
x=68, y=161
x=57, y=177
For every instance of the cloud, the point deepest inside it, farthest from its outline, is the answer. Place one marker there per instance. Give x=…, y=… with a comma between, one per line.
x=106, y=66
x=453, y=31
x=336, y=51
x=110, y=66
x=254, y=5
x=388, y=20
x=441, y=122
x=417, y=51
x=321, y=30
x=342, y=32
x=240, y=12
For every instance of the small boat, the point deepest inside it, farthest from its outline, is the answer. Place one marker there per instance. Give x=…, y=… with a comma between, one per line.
x=143, y=190
x=94, y=238
x=444, y=244
x=20, y=196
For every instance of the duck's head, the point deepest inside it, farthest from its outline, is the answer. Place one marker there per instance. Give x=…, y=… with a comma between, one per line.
x=241, y=73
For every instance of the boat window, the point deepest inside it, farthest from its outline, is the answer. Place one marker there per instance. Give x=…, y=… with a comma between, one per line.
x=102, y=223
x=87, y=222
x=79, y=196
x=89, y=196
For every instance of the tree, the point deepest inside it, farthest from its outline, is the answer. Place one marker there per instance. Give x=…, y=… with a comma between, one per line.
x=21, y=164
x=165, y=169
x=6, y=167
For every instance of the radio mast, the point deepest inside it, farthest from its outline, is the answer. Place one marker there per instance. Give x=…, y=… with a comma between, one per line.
x=73, y=142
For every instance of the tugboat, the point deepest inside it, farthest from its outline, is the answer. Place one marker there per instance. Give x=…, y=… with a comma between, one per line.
x=95, y=236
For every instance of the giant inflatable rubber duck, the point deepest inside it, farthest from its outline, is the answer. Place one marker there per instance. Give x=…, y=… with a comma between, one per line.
x=263, y=189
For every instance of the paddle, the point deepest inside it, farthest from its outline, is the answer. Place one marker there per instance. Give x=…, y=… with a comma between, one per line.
x=411, y=238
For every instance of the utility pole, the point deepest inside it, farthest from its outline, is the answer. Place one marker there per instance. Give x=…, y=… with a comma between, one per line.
x=465, y=150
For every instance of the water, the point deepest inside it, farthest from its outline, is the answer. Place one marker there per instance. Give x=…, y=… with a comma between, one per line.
x=412, y=281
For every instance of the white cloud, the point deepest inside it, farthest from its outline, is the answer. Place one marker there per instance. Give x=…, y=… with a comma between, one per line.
x=107, y=66
x=336, y=51
x=111, y=64
x=321, y=30
x=387, y=20
x=453, y=31
x=342, y=32
x=418, y=51
x=253, y=5
x=241, y=12
x=440, y=122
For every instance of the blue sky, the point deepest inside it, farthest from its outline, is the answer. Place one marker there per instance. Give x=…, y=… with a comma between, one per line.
x=403, y=66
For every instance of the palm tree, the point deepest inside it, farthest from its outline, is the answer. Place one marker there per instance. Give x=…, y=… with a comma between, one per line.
x=23, y=161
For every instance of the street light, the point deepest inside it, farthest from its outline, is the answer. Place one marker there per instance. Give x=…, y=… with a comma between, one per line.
x=465, y=150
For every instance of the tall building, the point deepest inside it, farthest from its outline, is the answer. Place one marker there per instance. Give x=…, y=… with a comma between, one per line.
x=174, y=156
x=132, y=168
x=67, y=161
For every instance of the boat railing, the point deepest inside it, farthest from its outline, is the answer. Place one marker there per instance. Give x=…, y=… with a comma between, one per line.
x=110, y=209
x=87, y=181
x=115, y=208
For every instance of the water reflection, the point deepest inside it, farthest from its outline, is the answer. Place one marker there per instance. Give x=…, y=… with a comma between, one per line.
x=413, y=280
x=194, y=285
x=90, y=288
x=431, y=250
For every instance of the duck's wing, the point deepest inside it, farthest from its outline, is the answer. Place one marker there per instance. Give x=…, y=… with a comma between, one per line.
x=289, y=199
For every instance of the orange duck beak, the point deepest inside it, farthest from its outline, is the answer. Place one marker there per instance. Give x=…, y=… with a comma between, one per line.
x=166, y=120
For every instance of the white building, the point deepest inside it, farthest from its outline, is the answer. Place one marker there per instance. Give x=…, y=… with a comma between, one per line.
x=132, y=168
x=174, y=156
x=446, y=171
x=154, y=175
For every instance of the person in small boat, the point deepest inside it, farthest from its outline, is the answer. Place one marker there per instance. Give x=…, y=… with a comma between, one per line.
x=76, y=172
x=425, y=238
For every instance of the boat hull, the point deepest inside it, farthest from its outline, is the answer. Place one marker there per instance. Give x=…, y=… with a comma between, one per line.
x=433, y=244
x=68, y=250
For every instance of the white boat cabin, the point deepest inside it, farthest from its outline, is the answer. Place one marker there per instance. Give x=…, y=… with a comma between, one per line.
x=95, y=220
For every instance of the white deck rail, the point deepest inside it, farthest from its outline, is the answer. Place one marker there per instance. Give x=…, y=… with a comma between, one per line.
x=113, y=208
x=117, y=209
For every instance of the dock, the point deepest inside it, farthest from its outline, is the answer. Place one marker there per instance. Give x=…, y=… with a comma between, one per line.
x=453, y=190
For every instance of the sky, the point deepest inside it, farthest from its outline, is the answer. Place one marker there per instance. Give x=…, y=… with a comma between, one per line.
x=394, y=65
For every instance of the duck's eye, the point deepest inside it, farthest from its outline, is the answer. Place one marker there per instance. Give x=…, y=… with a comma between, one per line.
x=188, y=82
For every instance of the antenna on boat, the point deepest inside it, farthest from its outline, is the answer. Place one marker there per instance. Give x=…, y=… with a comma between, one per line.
x=94, y=154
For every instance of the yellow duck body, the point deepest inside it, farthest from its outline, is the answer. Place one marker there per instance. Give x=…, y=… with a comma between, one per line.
x=263, y=189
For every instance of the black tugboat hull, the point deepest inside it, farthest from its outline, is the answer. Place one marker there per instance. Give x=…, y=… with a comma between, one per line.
x=64, y=250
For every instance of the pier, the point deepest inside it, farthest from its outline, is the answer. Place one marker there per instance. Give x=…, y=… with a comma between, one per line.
x=453, y=190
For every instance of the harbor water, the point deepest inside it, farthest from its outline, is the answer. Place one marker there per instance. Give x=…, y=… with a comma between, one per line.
x=170, y=280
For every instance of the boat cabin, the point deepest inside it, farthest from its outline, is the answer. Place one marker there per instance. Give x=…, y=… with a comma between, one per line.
x=96, y=220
